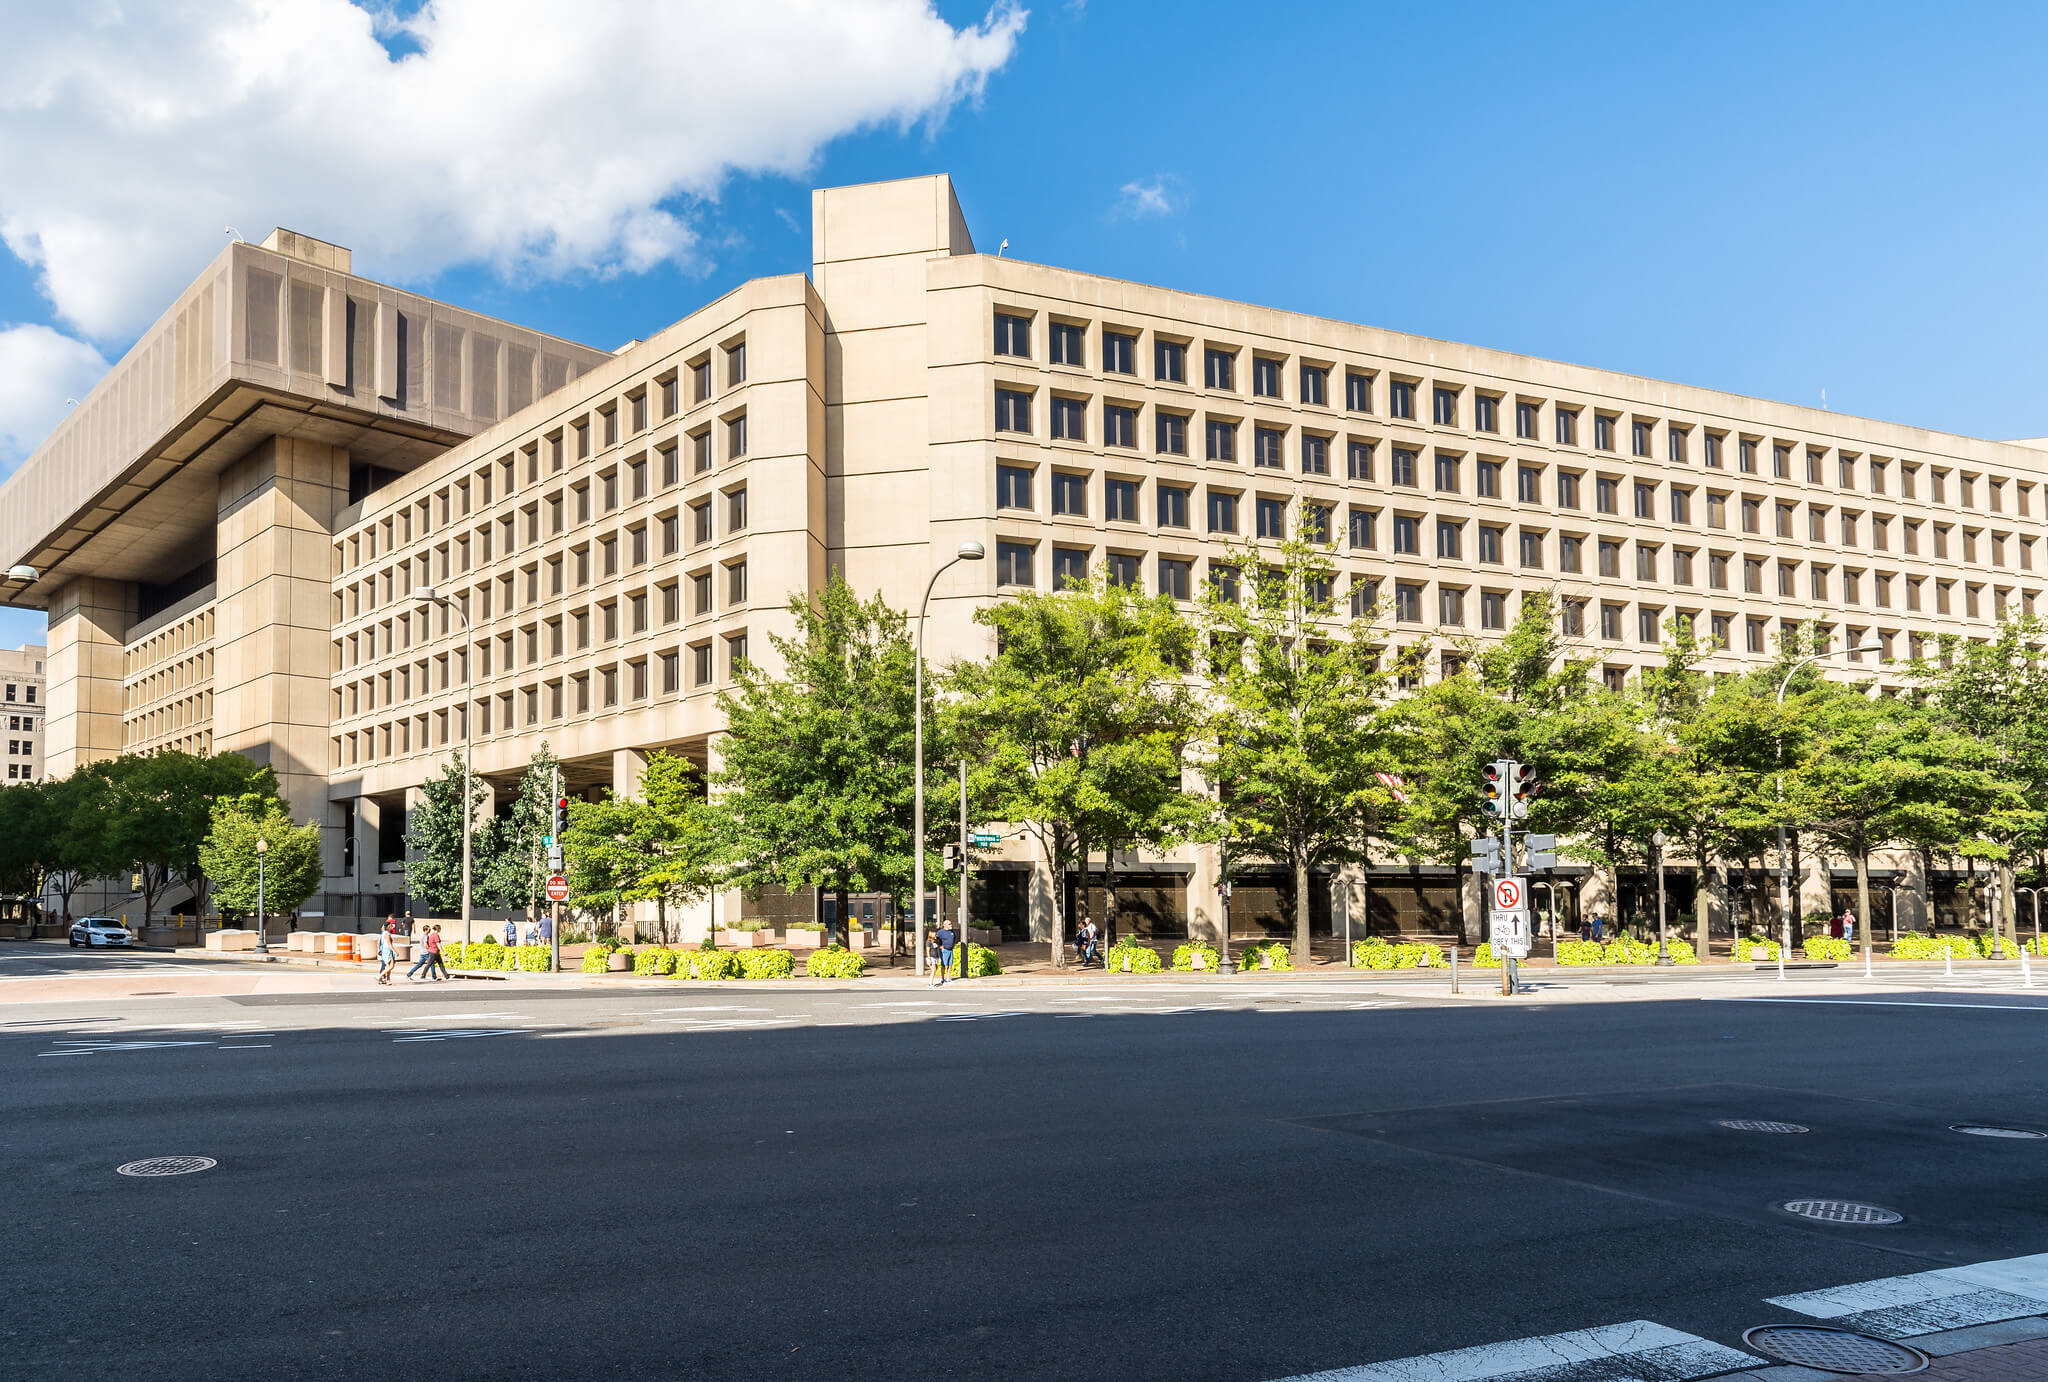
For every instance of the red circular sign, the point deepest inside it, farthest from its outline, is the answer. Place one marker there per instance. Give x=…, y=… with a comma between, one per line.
x=1507, y=895
x=558, y=888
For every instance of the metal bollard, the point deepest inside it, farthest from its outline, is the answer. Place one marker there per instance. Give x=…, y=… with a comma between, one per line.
x=1948, y=963
x=1454, y=966
x=2026, y=969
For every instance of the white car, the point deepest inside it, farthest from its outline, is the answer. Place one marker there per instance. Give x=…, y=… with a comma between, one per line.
x=98, y=931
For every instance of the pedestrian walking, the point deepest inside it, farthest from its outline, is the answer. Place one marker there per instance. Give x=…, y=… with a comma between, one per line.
x=511, y=933
x=1835, y=927
x=424, y=959
x=944, y=939
x=1599, y=923
x=434, y=960
x=1088, y=942
x=1849, y=924
x=387, y=952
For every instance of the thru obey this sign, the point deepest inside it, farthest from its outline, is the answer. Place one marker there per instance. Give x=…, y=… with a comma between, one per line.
x=1510, y=895
x=558, y=888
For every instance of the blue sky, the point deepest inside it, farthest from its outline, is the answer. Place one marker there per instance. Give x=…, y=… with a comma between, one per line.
x=1775, y=200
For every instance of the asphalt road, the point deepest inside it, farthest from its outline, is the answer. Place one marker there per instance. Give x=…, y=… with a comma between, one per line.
x=1237, y=1183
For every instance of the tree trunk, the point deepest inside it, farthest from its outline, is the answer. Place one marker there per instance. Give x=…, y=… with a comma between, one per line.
x=1109, y=907
x=1703, y=911
x=1059, y=901
x=1301, y=916
x=846, y=923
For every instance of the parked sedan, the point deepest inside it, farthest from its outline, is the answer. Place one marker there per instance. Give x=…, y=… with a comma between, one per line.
x=98, y=931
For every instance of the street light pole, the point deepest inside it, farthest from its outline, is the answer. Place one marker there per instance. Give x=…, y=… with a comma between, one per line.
x=968, y=551
x=262, y=931
x=1658, y=841
x=1870, y=645
x=429, y=596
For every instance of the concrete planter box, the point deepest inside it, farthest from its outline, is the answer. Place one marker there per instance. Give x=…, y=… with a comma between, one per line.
x=984, y=935
x=170, y=935
x=300, y=941
x=21, y=931
x=617, y=964
x=231, y=940
x=803, y=940
x=869, y=940
x=746, y=940
x=51, y=931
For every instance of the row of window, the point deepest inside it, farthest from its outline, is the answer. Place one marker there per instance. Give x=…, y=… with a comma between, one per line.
x=604, y=688
x=1066, y=345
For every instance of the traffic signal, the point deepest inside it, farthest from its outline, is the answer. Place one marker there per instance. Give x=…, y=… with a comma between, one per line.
x=1522, y=788
x=561, y=817
x=1494, y=787
x=954, y=861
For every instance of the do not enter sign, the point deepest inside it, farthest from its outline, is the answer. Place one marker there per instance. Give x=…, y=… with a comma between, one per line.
x=558, y=888
x=1510, y=895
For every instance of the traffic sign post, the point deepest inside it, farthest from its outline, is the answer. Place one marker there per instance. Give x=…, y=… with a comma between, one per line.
x=558, y=888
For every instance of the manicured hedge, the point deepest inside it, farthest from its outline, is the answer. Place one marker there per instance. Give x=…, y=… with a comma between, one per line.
x=1826, y=948
x=1984, y=946
x=1129, y=957
x=982, y=961
x=836, y=962
x=1252, y=956
x=1375, y=953
x=655, y=959
x=1184, y=956
x=490, y=954
x=766, y=964
x=596, y=959
x=1755, y=948
x=707, y=964
x=1622, y=950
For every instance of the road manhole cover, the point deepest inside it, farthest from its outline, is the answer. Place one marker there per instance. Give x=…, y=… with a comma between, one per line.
x=1984, y=1130
x=168, y=1166
x=1834, y=1350
x=1759, y=1125
x=1843, y=1212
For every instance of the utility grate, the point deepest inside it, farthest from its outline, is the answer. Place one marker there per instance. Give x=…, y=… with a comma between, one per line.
x=1834, y=1350
x=168, y=1166
x=1843, y=1212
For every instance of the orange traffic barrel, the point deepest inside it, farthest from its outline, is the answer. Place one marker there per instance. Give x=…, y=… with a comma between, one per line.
x=344, y=946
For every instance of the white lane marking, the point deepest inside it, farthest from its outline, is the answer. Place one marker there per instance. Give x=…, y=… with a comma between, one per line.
x=1889, y=1003
x=976, y=1017
x=715, y=1008
x=456, y=1033
x=1638, y=1350
x=727, y=1024
x=93, y=1048
x=1900, y=1307
x=265, y=1046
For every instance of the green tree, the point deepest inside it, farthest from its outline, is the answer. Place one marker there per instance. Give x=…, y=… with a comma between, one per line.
x=662, y=846
x=815, y=788
x=515, y=860
x=1297, y=729
x=291, y=859
x=1881, y=770
x=1077, y=724
x=433, y=841
x=160, y=810
x=80, y=844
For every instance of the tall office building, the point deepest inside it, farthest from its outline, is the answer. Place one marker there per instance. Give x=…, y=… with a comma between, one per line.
x=233, y=528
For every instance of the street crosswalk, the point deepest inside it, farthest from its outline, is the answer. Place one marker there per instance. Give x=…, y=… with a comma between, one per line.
x=1893, y=1307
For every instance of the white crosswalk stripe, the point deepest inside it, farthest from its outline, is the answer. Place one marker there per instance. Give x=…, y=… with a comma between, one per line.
x=1900, y=1307
x=1637, y=1351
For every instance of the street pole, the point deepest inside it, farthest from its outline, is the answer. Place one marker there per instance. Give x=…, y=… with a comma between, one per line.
x=554, y=908
x=262, y=931
x=1507, y=868
x=966, y=955
x=968, y=551
x=1657, y=842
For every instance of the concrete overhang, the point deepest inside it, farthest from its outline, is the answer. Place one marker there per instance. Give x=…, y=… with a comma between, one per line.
x=266, y=343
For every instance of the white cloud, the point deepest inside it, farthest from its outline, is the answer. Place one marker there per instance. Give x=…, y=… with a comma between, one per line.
x=1155, y=196
x=39, y=370
x=538, y=137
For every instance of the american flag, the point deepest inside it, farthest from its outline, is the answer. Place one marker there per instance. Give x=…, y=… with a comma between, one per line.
x=1393, y=783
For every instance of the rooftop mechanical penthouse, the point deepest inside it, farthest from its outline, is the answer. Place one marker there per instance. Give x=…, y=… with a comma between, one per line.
x=230, y=529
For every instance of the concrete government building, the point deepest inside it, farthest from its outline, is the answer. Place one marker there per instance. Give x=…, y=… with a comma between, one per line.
x=230, y=528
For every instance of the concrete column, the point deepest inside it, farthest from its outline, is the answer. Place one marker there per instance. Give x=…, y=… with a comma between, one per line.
x=1205, y=904
x=1815, y=883
x=1471, y=899
x=273, y=611
x=1041, y=907
x=89, y=622
x=1911, y=902
x=1348, y=900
